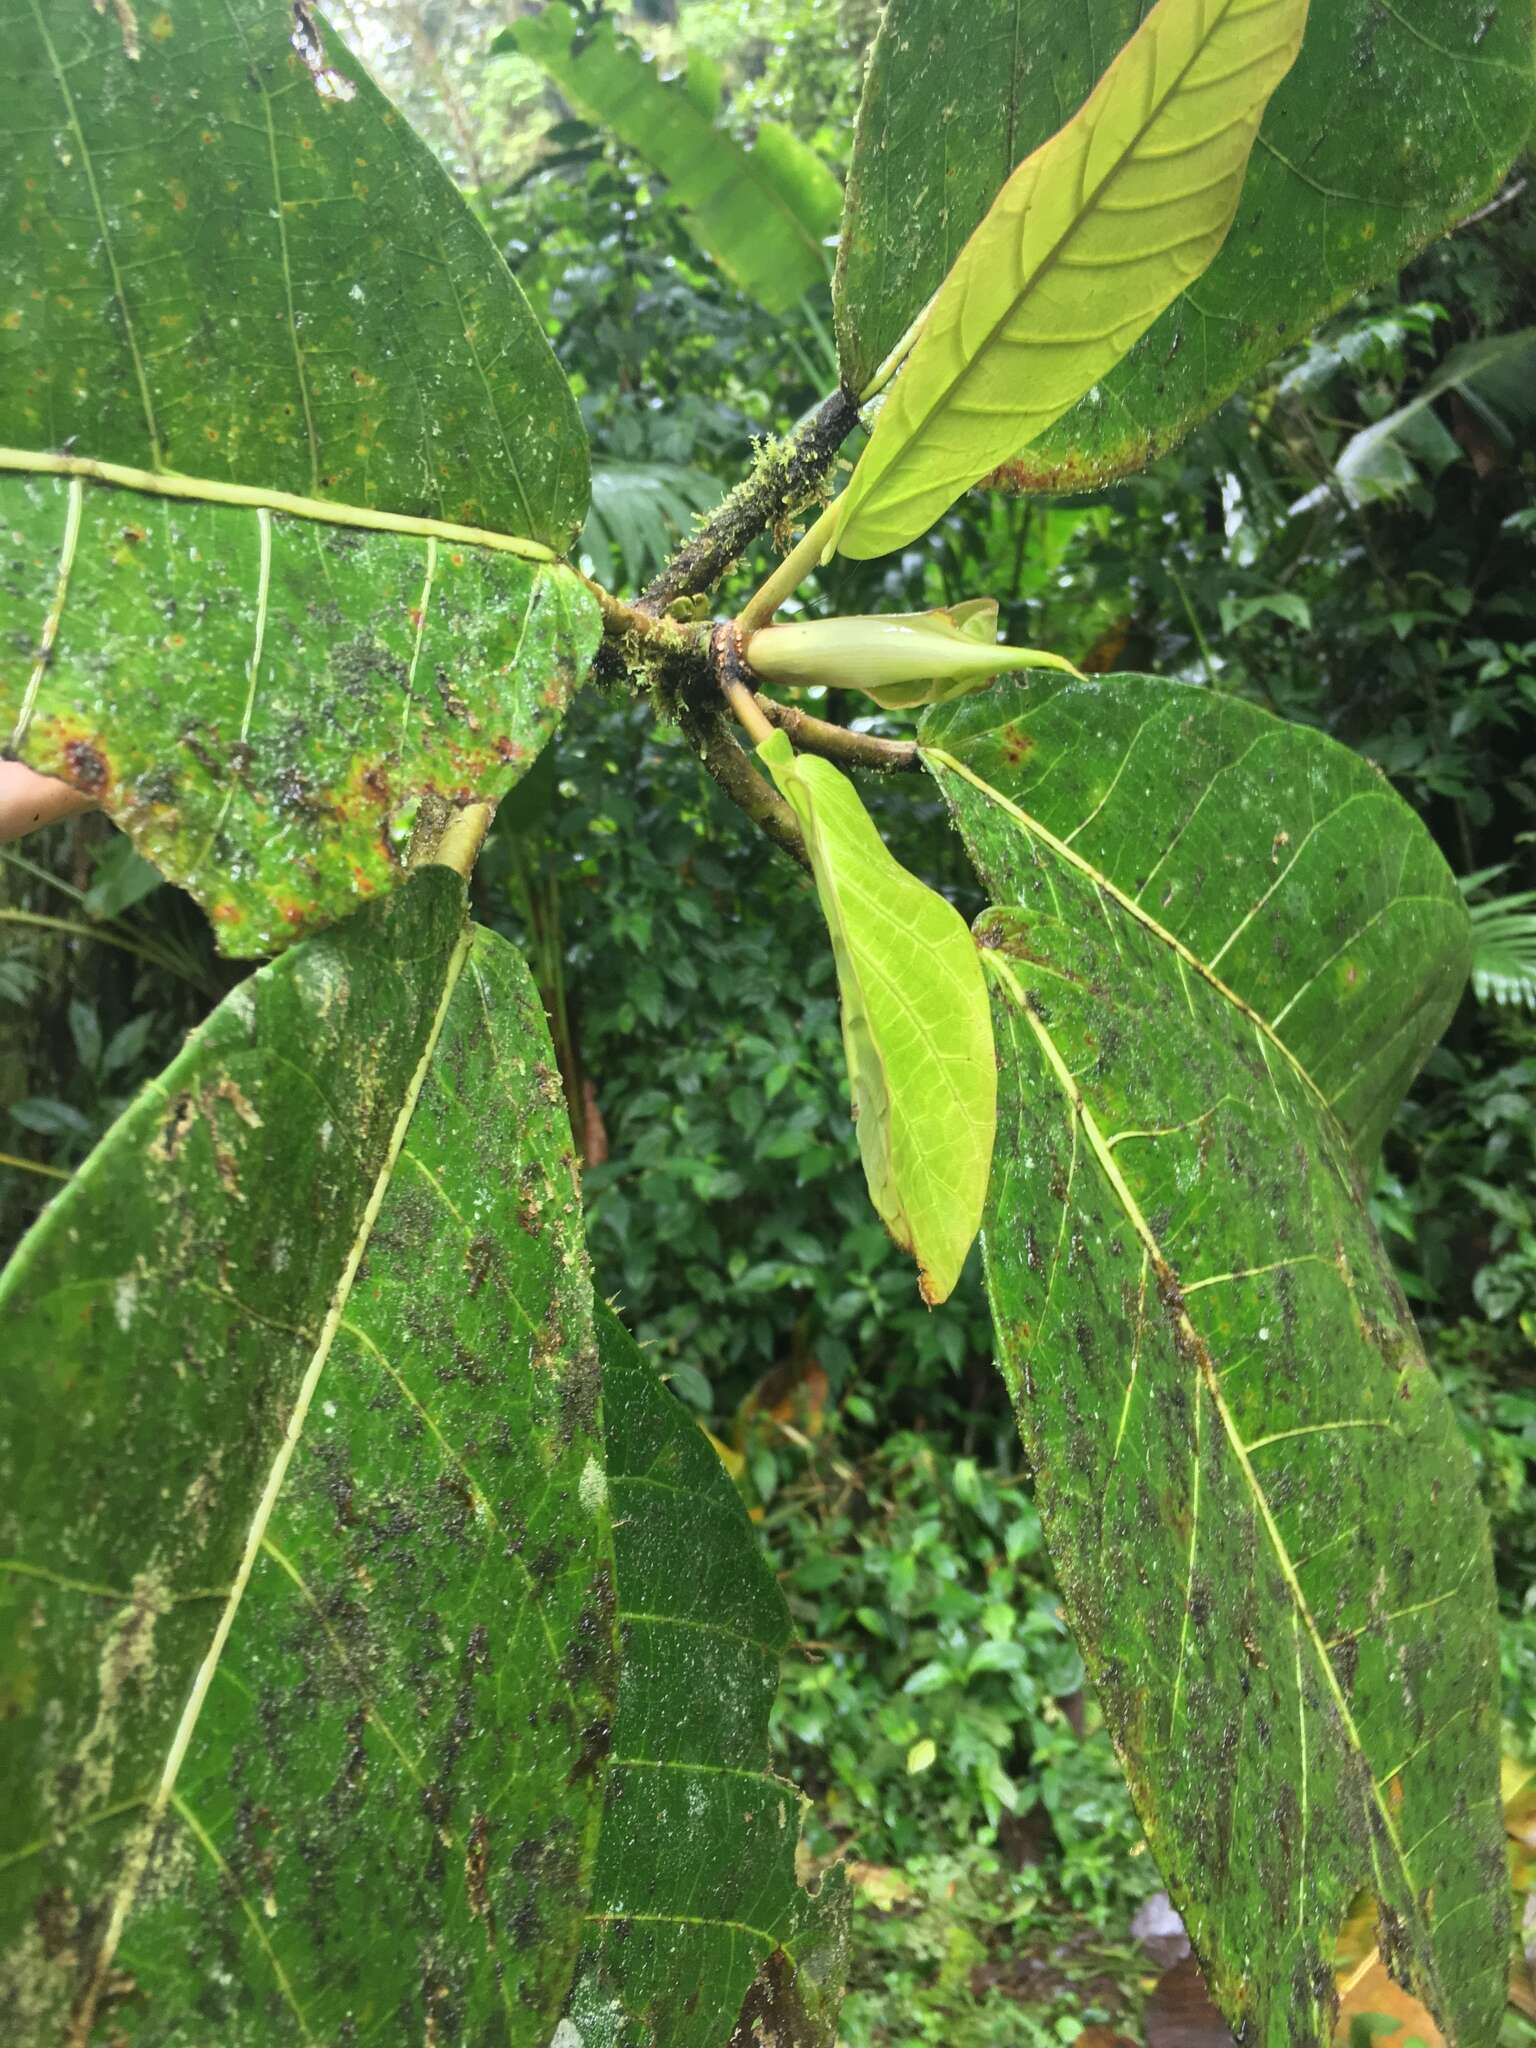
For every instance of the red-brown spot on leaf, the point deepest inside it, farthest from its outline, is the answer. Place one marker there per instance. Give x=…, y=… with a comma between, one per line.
x=86, y=767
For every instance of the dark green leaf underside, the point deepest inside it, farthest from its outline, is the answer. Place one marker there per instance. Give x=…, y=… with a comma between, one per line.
x=346, y=1210
x=265, y=702
x=224, y=254
x=1282, y=861
x=696, y=1909
x=1396, y=121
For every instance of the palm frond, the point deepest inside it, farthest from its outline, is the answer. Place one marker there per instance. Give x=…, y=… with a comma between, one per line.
x=1504, y=949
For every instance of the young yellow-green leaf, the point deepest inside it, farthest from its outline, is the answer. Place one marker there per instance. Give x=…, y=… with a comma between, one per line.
x=1087, y=242
x=901, y=659
x=916, y=1028
x=1395, y=123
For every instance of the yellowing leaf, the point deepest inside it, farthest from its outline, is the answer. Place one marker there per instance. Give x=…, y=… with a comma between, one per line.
x=922, y=1756
x=733, y=1461
x=901, y=659
x=916, y=1028
x=884, y=1888
x=1085, y=245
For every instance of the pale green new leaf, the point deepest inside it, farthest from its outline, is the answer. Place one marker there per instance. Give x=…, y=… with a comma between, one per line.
x=901, y=659
x=1088, y=241
x=1395, y=123
x=916, y=1029
x=761, y=213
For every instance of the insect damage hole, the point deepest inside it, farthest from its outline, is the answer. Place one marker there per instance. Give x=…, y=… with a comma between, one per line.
x=329, y=84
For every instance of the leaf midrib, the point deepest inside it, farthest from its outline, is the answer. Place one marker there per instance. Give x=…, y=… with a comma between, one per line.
x=259, y=497
x=1035, y=829
x=136, y=1857
x=1086, y=208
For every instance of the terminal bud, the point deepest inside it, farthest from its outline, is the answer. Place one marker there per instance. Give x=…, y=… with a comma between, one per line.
x=902, y=659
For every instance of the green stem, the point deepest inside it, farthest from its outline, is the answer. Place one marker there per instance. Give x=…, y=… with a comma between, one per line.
x=41, y=874
x=667, y=637
x=802, y=558
x=744, y=704
x=89, y=931
x=34, y=1166
x=459, y=847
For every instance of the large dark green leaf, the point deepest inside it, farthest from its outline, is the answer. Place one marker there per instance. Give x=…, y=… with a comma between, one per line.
x=286, y=458
x=309, y=1652
x=265, y=704
x=698, y=1919
x=763, y=213
x=1393, y=124
x=1284, y=864
x=310, y=1665
x=226, y=257
x=1264, y=1520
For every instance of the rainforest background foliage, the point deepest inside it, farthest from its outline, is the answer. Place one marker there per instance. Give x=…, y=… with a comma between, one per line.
x=1352, y=543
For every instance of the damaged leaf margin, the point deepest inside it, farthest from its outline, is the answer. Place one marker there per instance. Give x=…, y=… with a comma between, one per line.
x=265, y=700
